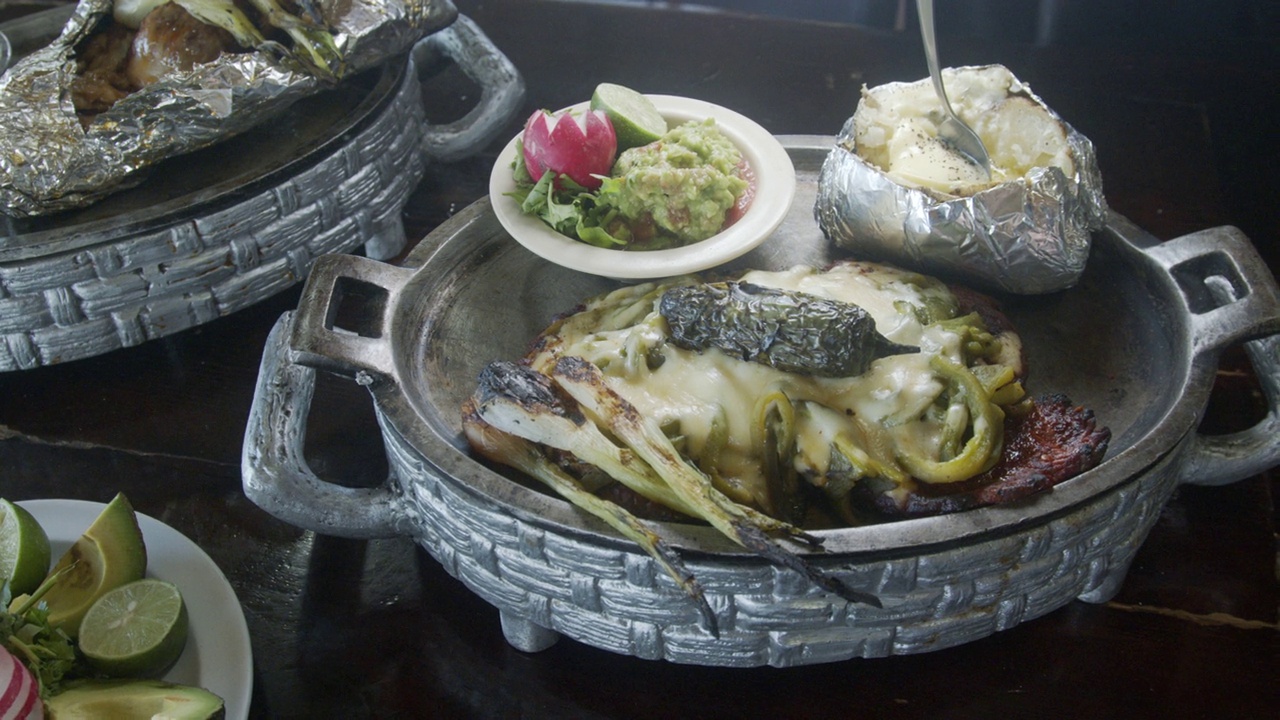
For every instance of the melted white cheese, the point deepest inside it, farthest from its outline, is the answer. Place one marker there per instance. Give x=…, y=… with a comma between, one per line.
x=879, y=410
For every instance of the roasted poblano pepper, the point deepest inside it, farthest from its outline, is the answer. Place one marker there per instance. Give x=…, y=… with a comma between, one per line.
x=791, y=331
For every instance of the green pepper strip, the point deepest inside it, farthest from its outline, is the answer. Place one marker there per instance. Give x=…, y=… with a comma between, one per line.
x=954, y=426
x=864, y=464
x=708, y=459
x=717, y=440
x=1001, y=383
x=982, y=449
x=619, y=309
x=775, y=422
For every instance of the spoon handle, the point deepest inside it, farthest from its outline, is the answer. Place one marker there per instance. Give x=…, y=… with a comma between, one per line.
x=925, y=10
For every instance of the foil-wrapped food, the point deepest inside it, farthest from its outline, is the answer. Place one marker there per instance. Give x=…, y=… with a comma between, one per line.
x=891, y=189
x=129, y=83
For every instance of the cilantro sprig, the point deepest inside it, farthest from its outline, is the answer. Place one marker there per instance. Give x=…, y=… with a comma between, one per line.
x=25, y=632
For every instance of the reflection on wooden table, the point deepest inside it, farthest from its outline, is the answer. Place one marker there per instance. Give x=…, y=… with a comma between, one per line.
x=377, y=629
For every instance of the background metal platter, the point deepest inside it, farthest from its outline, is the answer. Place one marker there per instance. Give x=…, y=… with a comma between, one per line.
x=216, y=230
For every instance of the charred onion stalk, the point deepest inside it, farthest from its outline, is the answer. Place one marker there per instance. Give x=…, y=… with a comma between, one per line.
x=516, y=397
x=520, y=401
x=526, y=457
x=584, y=382
x=314, y=45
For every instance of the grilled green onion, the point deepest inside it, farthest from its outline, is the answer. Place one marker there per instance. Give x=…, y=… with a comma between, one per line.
x=314, y=45
x=526, y=457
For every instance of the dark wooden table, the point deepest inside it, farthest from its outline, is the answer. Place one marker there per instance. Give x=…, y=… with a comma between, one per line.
x=1186, y=139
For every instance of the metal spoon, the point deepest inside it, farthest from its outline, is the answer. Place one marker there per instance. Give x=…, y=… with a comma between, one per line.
x=952, y=130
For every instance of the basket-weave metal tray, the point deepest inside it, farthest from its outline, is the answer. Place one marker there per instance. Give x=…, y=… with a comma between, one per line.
x=157, y=260
x=1137, y=341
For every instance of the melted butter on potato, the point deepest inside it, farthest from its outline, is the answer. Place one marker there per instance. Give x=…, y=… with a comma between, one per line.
x=896, y=129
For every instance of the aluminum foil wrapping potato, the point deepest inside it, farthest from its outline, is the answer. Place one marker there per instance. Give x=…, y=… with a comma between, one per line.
x=55, y=156
x=890, y=190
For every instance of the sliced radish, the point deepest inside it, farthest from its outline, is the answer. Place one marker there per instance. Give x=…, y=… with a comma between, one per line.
x=580, y=146
x=19, y=692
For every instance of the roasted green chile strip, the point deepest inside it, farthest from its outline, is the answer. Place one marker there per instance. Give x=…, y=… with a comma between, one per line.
x=791, y=331
x=982, y=449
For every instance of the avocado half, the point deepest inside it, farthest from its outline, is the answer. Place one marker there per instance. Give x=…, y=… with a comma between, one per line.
x=124, y=699
x=110, y=553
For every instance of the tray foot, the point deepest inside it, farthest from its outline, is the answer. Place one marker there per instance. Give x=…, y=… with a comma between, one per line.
x=1107, y=586
x=525, y=635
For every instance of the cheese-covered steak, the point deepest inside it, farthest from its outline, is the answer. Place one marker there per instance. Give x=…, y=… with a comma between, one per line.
x=780, y=400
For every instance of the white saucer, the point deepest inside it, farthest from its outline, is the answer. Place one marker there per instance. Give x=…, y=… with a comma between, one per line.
x=218, y=656
x=775, y=187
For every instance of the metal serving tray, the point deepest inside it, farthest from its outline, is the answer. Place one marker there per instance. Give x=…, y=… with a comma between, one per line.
x=1138, y=342
x=216, y=231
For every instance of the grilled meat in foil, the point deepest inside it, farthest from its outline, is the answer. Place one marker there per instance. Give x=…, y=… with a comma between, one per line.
x=129, y=83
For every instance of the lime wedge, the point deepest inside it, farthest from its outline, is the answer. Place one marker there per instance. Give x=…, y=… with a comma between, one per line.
x=24, y=549
x=109, y=554
x=636, y=120
x=135, y=630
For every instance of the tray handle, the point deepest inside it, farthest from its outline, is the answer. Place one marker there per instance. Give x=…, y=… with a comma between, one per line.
x=355, y=291
x=274, y=473
x=1233, y=297
x=501, y=89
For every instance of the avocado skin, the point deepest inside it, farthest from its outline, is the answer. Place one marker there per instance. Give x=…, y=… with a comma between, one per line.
x=125, y=699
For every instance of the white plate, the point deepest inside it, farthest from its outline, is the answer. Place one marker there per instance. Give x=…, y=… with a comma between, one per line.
x=218, y=657
x=775, y=187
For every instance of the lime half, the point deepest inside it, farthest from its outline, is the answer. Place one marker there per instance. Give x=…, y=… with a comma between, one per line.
x=636, y=120
x=109, y=554
x=135, y=630
x=24, y=549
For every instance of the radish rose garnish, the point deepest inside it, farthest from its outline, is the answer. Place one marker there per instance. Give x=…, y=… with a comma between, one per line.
x=581, y=146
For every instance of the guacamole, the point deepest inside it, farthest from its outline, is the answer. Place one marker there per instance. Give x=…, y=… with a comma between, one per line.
x=686, y=182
